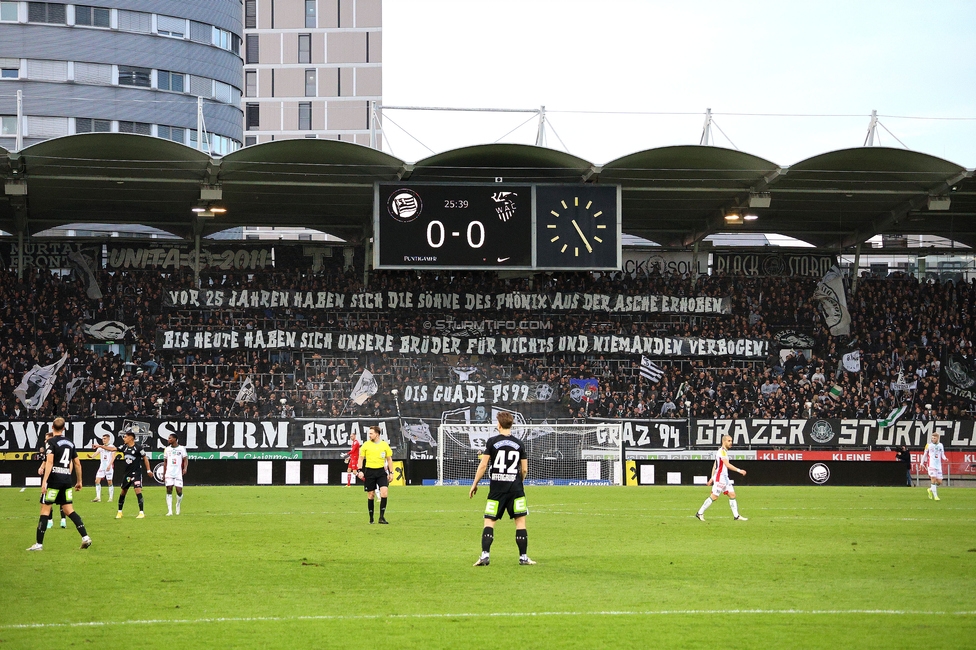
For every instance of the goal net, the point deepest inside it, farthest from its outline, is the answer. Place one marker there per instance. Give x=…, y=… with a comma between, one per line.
x=559, y=454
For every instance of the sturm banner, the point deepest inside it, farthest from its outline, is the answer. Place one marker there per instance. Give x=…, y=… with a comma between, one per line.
x=641, y=263
x=812, y=265
x=831, y=434
x=53, y=255
x=173, y=257
x=177, y=340
x=381, y=300
x=509, y=393
x=646, y=435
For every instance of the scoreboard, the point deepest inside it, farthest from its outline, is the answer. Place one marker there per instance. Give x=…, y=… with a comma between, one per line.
x=496, y=226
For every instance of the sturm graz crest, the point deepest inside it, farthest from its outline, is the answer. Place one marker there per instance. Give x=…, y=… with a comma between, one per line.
x=819, y=473
x=822, y=432
x=405, y=205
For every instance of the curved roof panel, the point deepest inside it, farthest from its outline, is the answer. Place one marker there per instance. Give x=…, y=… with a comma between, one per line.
x=484, y=163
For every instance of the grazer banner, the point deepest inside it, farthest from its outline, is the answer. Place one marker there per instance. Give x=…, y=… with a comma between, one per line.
x=176, y=340
x=831, y=434
x=615, y=303
x=225, y=436
x=813, y=265
x=650, y=435
x=52, y=255
x=173, y=257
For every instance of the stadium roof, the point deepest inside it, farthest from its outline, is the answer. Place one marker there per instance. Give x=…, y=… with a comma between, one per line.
x=675, y=196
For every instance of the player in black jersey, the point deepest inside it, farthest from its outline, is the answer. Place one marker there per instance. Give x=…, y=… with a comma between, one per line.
x=506, y=457
x=60, y=461
x=42, y=454
x=132, y=454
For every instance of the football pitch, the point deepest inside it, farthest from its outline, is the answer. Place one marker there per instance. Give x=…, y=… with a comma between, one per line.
x=299, y=567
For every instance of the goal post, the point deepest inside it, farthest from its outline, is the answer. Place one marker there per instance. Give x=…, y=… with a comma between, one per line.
x=559, y=454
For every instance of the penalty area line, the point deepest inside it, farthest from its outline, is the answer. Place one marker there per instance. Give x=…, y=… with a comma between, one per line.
x=367, y=617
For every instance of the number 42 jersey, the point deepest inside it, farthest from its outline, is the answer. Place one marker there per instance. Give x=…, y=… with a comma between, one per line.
x=505, y=454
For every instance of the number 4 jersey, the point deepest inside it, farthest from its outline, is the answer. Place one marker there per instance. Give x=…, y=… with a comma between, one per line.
x=505, y=454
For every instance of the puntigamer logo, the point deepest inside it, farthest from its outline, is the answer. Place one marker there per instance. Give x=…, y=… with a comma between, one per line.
x=822, y=432
x=819, y=473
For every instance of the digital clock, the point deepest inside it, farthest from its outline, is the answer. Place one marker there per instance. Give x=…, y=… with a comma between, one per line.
x=467, y=226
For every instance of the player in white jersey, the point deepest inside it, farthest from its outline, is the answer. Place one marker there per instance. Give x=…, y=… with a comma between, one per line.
x=176, y=461
x=106, y=467
x=720, y=481
x=932, y=458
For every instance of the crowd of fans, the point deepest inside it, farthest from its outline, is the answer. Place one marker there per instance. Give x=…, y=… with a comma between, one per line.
x=903, y=329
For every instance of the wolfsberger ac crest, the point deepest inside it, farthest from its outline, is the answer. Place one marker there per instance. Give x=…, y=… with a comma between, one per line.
x=822, y=432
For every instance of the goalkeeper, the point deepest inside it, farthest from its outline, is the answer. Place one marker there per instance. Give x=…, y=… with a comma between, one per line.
x=506, y=457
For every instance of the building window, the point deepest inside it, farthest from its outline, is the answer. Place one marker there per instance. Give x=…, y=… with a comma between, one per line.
x=252, y=116
x=45, y=12
x=130, y=76
x=8, y=125
x=170, y=26
x=9, y=73
x=174, y=133
x=88, y=125
x=250, y=140
x=310, y=13
x=174, y=81
x=250, y=14
x=304, y=48
x=251, y=49
x=310, y=82
x=305, y=116
x=135, y=127
x=91, y=16
x=8, y=11
x=250, y=83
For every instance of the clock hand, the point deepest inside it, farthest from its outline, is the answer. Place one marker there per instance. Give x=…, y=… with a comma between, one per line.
x=589, y=249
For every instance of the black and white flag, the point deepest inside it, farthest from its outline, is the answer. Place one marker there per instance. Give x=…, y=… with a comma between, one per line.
x=364, y=389
x=73, y=387
x=958, y=377
x=650, y=370
x=831, y=301
x=247, y=392
x=37, y=383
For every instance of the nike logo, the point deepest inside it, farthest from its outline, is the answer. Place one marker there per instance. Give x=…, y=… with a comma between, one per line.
x=502, y=259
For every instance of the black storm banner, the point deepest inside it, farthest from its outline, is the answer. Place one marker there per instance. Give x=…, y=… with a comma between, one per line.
x=958, y=378
x=773, y=264
x=177, y=340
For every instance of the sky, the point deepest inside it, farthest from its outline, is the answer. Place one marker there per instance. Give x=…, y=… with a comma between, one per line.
x=784, y=80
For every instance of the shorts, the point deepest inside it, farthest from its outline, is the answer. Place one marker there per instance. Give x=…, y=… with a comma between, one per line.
x=935, y=473
x=131, y=481
x=106, y=474
x=58, y=496
x=501, y=502
x=723, y=488
x=374, y=478
x=173, y=481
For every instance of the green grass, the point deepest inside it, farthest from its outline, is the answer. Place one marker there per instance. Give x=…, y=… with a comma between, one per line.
x=298, y=567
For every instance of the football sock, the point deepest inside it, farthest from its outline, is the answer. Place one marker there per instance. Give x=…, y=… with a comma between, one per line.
x=41, y=529
x=139, y=497
x=98, y=490
x=382, y=507
x=50, y=517
x=522, y=539
x=121, y=501
x=735, y=507
x=705, y=506
x=79, y=524
x=111, y=492
x=179, y=500
x=935, y=490
x=169, y=503
x=487, y=537
x=371, y=507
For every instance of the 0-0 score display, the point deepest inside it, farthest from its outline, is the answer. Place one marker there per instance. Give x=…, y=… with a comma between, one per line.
x=453, y=226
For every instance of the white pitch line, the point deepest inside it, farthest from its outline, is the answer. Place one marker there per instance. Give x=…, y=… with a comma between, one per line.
x=365, y=617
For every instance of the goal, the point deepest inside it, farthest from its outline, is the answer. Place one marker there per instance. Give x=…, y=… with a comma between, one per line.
x=559, y=454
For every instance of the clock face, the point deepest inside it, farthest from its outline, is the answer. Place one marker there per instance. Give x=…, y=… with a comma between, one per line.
x=577, y=227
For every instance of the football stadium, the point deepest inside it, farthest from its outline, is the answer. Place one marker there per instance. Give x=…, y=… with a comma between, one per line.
x=302, y=393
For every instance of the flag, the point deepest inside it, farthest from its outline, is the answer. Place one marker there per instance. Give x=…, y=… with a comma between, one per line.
x=247, y=392
x=73, y=387
x=650, y=370
x=37, y=383
x=832, y=302
x=681, y=390
x=584, y=390
x=364, y=389
x=893, y=416
x=901, y=384
x=84, y=265
x=836, y=392
x=957, y=378
x=852, y=361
